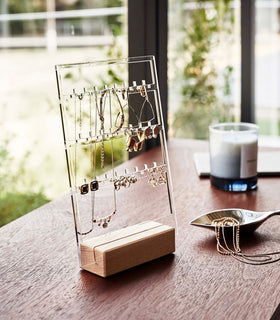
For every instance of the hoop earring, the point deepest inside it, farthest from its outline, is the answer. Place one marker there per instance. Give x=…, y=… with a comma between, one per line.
x=122, y=113
x=144, y=93
x=125, y=97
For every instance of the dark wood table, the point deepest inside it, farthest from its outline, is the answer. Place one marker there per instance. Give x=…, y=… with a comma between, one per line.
x=41, y=279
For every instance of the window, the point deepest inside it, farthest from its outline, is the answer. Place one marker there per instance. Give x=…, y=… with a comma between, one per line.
x=204, y=65
x=267, y=66
x=36, y=35
x=207, y=82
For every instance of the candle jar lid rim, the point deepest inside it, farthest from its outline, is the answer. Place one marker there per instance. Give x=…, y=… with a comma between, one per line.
x=227, y=127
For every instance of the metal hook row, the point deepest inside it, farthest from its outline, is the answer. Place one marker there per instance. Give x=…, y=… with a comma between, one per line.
x=128, y=172
x=132, y=89
x=134, y=171
x=104, y=136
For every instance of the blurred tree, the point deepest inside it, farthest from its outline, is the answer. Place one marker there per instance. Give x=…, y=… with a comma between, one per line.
x=17, y=197
x=201, y=32
x=116, y=22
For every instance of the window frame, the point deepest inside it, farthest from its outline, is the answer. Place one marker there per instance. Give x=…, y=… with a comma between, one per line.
x=148, y=35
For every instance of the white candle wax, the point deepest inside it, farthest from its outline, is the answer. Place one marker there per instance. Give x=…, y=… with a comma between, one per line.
x=233, y=155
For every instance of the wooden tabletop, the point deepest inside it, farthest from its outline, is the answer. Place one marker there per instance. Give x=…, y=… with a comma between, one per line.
x=41, y=279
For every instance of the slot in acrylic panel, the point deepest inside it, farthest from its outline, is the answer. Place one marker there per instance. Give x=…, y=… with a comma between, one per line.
x=109, y=121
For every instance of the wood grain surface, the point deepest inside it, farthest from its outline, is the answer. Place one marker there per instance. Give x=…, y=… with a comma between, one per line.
x=41, y=279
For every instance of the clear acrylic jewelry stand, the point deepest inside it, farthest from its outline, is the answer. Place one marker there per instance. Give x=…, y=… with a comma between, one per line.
x=106, y=118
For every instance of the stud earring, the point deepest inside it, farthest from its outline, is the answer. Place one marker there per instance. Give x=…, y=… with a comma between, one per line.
x=84, y=188
x=94, y=185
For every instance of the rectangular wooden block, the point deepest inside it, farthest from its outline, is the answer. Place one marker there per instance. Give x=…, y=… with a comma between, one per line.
x=126, y=248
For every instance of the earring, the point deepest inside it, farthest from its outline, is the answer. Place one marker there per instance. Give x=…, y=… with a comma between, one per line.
x=121, y=182
x=121, y=112
x=94, y=185
x=144, y=93
x=84, y=188
x=152, y=181
x=130, y=142
x=124, y=182
x=123, y=94
x=132, y=179
x=156, y=131
x=145, y=134
x=138, y=145
x=162, y=177
x=141, y=135
x=148, y=133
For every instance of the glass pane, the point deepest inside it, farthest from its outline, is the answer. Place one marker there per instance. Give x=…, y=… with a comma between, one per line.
x=36, y=35
x=267, y=64
x=204, y=65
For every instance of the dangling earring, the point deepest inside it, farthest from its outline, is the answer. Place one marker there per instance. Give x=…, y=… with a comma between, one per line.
x=152, y=181
x=155, y=130
x=121, y=112
x=144, y=94
x=162, y=177
x=148, y=133
x=130, y=142
x=138, y=145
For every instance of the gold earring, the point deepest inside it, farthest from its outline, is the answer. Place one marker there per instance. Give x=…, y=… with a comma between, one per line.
x=121, y=112
x=156, y=130
x=162, y=177
x=148, y=133
x=132, y=179
x=141, y=135
x=138, y=145
x=152, y=181
x=130, y=143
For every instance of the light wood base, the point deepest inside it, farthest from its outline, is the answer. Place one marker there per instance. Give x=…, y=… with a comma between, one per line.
x=120, y=250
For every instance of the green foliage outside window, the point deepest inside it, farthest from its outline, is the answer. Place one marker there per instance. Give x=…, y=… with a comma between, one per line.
x=201, y=104
x=17, y=195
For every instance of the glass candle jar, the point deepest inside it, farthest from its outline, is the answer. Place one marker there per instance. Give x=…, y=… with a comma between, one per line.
x=233, y=156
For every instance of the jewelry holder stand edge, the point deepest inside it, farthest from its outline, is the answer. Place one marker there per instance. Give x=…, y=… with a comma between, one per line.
x=127, y=248
x=136, y=244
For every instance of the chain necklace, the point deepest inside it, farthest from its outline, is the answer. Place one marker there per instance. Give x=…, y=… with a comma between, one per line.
x=253, y=259
x=100, y=112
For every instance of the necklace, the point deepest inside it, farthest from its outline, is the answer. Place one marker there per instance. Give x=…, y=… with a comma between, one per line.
x=223, y=247
x=101, y=118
